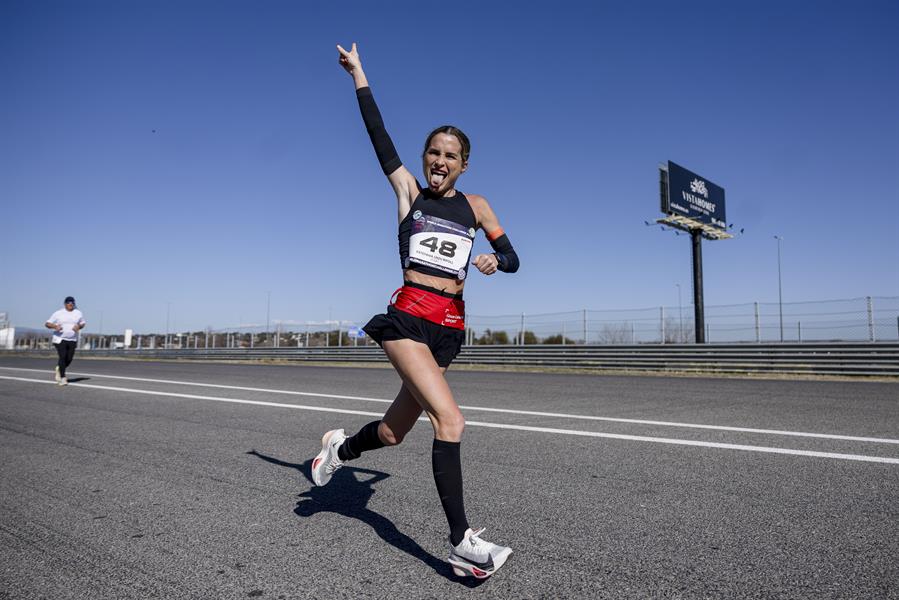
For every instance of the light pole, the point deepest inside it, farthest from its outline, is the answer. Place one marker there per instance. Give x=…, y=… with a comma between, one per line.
x=780, y=300
x=680, y=314
x=168, y=307
x=268, y=307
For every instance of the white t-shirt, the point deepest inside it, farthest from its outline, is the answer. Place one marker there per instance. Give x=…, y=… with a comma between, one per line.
x=68, y=319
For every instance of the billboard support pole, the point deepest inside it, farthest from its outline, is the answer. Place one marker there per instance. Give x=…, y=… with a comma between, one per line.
x=699, y=312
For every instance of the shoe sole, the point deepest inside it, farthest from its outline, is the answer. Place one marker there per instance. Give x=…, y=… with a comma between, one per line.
x=466, y=569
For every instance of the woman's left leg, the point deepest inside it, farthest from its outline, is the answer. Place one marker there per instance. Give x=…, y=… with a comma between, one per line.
x=470, y=555
x=425, y=379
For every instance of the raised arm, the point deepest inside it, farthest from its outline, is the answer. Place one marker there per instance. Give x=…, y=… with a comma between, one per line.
x=403, y=182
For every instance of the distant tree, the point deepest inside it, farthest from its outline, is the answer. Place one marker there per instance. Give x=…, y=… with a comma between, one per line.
x=557, y=339
x=492, y=338
x=615, y=333
x=530, y=337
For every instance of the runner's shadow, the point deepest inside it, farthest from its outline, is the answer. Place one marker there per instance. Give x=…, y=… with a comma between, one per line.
x=348, y=494
x=77, y=379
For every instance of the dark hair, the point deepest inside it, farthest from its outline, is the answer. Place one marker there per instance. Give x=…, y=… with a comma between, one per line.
x=450, y=130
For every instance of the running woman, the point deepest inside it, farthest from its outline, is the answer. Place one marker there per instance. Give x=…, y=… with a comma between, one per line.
x=423, y=329
x=65, y=323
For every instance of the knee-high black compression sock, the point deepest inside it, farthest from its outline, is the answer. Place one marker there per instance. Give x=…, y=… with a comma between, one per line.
x=365, y=439
x=447, y=462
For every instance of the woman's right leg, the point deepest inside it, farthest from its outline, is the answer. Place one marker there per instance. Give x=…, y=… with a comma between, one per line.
x=400, y=418
x=389, y=431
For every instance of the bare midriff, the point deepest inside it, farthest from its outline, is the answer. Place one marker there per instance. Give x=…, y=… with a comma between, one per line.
x=450, y=286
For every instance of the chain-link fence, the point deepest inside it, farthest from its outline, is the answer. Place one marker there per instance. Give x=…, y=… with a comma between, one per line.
x=279, y=335
x=868, y=319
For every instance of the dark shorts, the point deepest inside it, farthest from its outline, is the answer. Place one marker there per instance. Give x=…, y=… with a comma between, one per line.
x=444, y=342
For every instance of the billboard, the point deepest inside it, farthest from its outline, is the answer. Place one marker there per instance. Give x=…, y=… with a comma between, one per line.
x=693, y=197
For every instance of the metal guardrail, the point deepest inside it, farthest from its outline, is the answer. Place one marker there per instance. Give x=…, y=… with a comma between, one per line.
x=843, y=358
x=822, y=359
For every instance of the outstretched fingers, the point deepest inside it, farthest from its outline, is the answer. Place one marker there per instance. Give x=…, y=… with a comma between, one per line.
x=345, y=54
x=349, y=60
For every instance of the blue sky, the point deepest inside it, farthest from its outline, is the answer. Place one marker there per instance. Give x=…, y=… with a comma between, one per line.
x=199, y=155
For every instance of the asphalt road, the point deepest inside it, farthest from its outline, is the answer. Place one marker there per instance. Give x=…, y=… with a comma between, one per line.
x=142, y=480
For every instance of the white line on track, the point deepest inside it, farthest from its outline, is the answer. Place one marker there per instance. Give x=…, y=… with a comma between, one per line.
x=595, y=434
x=532, y=413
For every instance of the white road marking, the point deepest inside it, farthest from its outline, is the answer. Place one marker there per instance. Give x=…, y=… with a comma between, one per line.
x=828, y=436
x=595, y=434
x=197, y=397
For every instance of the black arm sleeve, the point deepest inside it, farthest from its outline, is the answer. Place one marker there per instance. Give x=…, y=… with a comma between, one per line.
x=505, y=254
x=387, y=156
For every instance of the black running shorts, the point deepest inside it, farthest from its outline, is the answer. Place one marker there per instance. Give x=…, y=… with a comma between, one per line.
x=445, y=343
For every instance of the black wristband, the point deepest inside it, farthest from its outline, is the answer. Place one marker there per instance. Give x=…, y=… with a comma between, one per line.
x=506, y=258
x=377, y=133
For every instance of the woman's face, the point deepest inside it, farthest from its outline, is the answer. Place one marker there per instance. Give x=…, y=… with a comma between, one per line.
x=442, y=162
x=70, y=306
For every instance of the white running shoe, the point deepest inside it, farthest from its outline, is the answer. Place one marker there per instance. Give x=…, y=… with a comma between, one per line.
x=324, y=465
x=57, y=374
x=63, y=381
x=476, y=557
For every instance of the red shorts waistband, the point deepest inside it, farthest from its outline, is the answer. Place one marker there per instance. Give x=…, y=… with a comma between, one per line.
x=449, y=312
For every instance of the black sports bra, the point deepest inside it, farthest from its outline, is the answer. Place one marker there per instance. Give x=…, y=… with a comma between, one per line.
x=437, y=235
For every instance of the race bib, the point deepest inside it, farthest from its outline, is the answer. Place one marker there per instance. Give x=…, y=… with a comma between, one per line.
x=440, y=244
